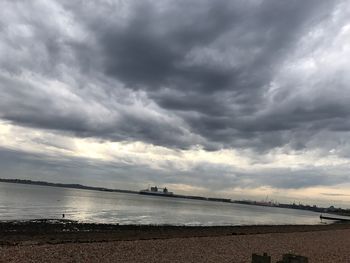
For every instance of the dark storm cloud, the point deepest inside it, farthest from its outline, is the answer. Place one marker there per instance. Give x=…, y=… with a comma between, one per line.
x=149, y=51
x=204, y=66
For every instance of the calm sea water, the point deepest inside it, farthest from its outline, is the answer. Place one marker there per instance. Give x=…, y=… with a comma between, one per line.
x=18, y=201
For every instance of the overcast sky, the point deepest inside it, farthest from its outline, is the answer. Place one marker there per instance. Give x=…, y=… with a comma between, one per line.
x=241, y=98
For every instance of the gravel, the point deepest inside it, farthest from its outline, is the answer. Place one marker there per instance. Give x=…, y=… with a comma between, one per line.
x=329, y=246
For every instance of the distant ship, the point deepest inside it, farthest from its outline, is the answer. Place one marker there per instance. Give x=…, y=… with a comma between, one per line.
x=154, y=190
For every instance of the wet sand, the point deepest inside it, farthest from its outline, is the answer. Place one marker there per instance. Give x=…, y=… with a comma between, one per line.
x=72, y=242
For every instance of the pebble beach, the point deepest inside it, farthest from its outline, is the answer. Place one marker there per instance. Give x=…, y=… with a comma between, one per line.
x=323, y=243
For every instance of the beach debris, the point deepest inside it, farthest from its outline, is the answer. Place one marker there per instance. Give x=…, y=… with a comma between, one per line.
x=290, y=258
x=261, y=259
x=287, y=258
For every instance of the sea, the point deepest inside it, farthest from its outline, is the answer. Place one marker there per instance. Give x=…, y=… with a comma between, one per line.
x=24, y=202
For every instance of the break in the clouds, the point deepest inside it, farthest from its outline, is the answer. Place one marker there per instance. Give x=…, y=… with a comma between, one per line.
x=235, y=90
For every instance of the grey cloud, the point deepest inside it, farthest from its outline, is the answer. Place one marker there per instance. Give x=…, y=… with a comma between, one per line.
x=128, y=174
x=150, y=54
x=334, y=194
x=145, y=58
x=58, y=168
x=286, y=179
x=198, y=72
x=279, y=178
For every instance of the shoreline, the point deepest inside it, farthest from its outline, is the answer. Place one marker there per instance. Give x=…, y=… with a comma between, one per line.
x=58, y=231
x=69, y=241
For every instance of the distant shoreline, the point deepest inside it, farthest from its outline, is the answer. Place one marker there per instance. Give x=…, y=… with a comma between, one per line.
x=74, y=186
x=79, y=186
